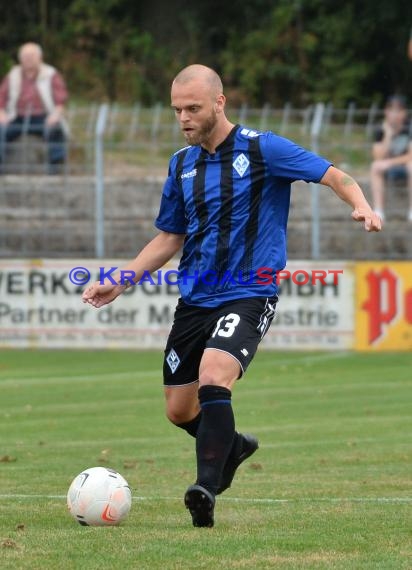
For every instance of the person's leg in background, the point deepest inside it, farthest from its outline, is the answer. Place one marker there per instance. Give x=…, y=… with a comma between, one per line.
x=8, y=134
x=56, y=141
x=377, y=179
x=399, y=176
x=53, y=136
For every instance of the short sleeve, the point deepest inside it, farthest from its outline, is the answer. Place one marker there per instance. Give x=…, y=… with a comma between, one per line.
x=171, y=216
x=288, y=160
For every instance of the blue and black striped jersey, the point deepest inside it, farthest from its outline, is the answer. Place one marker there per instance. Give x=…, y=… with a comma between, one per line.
x=233, y=206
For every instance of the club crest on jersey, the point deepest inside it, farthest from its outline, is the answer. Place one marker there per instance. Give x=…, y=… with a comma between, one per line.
x=241, y=164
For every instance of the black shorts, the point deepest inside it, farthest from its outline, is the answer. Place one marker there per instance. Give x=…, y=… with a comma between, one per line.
x=235, y=327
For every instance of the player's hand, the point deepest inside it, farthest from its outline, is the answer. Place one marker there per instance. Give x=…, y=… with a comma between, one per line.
x=98, y=294
x=373, y=223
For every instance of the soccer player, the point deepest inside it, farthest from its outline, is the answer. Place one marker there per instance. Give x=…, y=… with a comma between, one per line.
x=226, y=201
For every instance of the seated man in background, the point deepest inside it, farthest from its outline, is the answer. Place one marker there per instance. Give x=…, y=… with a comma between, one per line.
x=392, y=152
x=32, y=98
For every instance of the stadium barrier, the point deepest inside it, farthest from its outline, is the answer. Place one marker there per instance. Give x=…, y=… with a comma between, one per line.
x=104, y=201
x=364, y=306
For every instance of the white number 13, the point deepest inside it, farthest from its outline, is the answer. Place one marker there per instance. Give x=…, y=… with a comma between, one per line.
x=226, y=325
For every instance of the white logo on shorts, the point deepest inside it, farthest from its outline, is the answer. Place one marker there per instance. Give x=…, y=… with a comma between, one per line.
x=173, y=360
x=244, y=352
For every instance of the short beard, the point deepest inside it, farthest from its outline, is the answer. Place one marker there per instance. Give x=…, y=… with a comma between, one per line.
x=202, y=136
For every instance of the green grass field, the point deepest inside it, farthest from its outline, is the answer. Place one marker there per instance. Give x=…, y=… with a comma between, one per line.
x=331, y=486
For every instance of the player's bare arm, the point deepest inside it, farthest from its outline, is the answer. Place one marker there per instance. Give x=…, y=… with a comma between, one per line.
x=350, y=192
x=152, y=257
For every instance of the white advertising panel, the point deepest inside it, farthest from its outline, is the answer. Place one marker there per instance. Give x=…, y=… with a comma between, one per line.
x=316, y=307
x=40, y=306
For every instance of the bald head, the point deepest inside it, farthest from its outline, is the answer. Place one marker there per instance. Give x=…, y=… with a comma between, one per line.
x=30, y=57
x=30, y=49
x=199, y=104
x=202, y=75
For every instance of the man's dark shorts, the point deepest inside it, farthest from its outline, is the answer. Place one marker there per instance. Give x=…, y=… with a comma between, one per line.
x=396, y=173
x=236, y=327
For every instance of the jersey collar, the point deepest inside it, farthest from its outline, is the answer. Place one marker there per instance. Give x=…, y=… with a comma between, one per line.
x=227, y=141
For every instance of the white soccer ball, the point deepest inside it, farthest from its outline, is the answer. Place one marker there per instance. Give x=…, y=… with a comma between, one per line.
x=99, y=497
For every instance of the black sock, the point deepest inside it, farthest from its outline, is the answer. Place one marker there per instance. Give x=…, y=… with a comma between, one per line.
x=215, y=435
x=192, y=426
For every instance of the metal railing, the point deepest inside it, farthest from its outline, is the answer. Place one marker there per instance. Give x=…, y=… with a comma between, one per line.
x=108, y=192
x=130, y=132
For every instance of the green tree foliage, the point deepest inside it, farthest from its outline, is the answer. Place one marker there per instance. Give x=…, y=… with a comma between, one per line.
x=266, y=50
x=322, y=50
x=111, y=56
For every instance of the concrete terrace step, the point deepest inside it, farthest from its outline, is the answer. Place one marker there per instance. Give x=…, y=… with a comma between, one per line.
x=54, y=216
x=346, y=239
x=331, y=207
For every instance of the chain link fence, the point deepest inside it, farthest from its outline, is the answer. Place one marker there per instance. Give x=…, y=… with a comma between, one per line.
x=105, y=199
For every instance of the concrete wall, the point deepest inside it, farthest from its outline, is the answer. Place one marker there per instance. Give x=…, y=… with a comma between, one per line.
x=53, y=216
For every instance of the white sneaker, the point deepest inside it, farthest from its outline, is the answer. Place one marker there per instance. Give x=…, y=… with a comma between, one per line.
x=381, y=213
